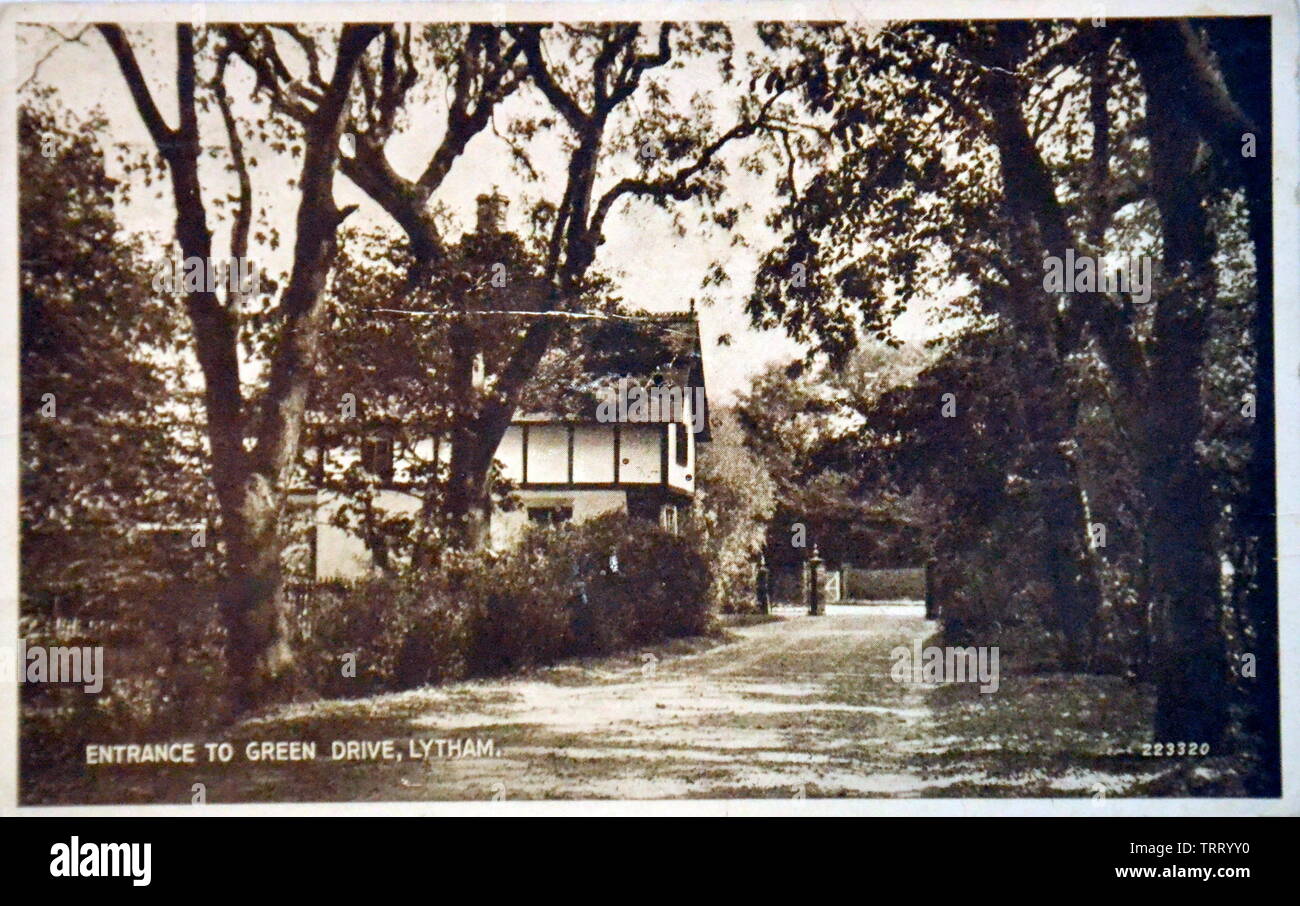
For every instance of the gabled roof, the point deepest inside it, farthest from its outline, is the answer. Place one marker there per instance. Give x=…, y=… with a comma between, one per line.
x=646, y=348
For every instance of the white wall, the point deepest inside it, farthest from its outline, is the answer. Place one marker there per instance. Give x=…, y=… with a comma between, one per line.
x=586, y=505
x=548, y=454
x=639, y=453
x=340, y=554
x=593, y=453
x=510, y=453
x=678, y=475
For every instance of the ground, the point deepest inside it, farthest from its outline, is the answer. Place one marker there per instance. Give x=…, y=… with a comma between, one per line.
x=798, y=706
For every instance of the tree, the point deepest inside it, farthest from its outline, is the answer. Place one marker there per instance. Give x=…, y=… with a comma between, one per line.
x=1056, y=137
x=735, y=498
x=912, y=203
x=1190, y=104
x=91, y=335
x=814, y=431
x=602, y=88
x=393, y=374
x=252, y=455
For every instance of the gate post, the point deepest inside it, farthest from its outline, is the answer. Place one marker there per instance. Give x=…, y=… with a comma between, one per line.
x=930, y=610
x=761, y=579
x=816, y=606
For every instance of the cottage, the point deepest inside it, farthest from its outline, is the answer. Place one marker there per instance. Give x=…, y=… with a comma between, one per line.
x=579, y=445
x=572, y=465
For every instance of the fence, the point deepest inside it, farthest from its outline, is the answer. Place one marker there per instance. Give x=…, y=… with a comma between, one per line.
x=849, y=584
x=905, y=583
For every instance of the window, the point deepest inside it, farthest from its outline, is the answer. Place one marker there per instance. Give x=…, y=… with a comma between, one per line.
x=681, y=442
x=550, y=515
x=377, y=457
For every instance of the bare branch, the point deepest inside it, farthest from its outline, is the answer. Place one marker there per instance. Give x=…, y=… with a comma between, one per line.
x=678, y=186
x=1045, y=119
x=639, y=64
x=163, y=136
x=244, y=211
x=624, y=36
x=65, y=39
x=301, y=307
x=529, y=37
x=463, y=124
x=484, y=76
x=271, y=75
x=309, y=49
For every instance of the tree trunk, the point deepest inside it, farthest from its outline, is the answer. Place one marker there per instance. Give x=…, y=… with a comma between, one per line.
x=258, y=622
x=468, y=504
x=1192, y=692
x=468, y=500
x=1243, y=46
x=1035, y=214
x=258, y=651
x=1074, y=568
x=250, y=485
x=480, y=428
x=1069, y=562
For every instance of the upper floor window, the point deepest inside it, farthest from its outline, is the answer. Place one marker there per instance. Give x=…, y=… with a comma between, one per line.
x=377, y=457
x=680, y=436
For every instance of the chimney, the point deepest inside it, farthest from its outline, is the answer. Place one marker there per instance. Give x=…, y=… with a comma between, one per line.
x=491, y=213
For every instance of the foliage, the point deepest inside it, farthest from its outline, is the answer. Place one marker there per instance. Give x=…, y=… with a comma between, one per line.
x=814, y=430
x=386, y=370
x=735, y=497
x=966, y=152
x=381, y=633
x=109, y=552
x=92, y=338
x=163, y=677
x=601, y=586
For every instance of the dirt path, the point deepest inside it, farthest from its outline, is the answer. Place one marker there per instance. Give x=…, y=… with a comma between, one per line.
x=802, y=706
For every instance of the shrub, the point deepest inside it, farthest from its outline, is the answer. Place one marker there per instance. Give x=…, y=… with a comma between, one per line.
x=521, y=601
x=593, y=588
x=433, y=649
x=735, y=501
x=163, y=677
x=602, y=586
x=635, y=583
x=400, y=633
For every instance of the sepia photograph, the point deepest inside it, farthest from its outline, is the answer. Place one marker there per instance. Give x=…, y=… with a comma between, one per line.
x=483, y=403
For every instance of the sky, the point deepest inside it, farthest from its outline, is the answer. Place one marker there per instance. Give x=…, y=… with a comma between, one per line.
x=655, y=268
